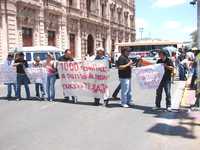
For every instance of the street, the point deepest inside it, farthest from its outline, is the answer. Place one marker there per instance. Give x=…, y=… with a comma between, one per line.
x=43, y=125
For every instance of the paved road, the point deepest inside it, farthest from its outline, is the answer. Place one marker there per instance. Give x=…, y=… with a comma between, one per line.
x=35, y=125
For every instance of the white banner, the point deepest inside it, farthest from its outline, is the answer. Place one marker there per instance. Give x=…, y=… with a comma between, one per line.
x=149, y=77
x=7, y=74
x=36, y=74
x=85, y=78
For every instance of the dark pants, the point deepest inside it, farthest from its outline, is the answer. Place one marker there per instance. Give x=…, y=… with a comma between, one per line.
x=22, y=79
x=38, y=88
x=182, y=72
x=115, y=93
x=194, y=77
x=166, y=85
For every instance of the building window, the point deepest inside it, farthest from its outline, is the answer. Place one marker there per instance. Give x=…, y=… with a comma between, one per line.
x=103, y=10
x=88, y=5
x=52, y=38
x=119, y=18
x=72, y=44
x=27, y=36
x=104, y=43
x=70, y=2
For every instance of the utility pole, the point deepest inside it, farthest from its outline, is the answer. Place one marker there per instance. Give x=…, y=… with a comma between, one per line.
x=197, y=2
x=141, y=31
x=197, y=103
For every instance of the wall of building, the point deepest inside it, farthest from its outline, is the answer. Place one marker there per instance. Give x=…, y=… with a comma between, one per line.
x=104, y=21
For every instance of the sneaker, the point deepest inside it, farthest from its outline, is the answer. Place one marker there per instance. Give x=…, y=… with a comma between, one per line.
x=105, y=104
x=74, y=99
x=156, y=108
x=17, y=99
x=125, y=105
x=131, y=103
x=169, y=109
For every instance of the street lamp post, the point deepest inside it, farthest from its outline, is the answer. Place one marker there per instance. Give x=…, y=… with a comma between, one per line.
x=141, y=31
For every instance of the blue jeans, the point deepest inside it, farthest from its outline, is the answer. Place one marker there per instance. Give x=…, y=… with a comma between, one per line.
x=51, y=79
x=182, y=72
x=9, y=85
x=126, y=94
x=22, y=79
x=166, y=85
x=39, y=87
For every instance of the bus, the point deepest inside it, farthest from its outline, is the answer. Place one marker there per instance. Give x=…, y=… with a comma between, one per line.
x=143, y=48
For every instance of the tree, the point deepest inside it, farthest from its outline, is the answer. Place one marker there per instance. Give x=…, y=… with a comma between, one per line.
x=194, y=39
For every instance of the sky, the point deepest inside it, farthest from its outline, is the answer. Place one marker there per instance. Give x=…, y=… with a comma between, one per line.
x=165, y=19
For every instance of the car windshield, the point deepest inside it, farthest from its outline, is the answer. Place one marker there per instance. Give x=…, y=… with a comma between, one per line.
x=28, y=56
x=43, y=55
x=57, y=55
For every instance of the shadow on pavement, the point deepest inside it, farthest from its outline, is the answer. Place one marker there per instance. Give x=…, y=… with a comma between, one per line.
x=165, y=129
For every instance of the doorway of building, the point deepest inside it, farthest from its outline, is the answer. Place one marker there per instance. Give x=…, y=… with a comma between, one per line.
x=90, y=44
x=27, y=36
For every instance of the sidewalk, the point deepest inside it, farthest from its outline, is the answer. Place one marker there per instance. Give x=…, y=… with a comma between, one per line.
x=188, y=100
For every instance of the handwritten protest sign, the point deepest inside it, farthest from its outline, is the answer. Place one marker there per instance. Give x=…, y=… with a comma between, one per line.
x=37, y=74
x=149, y=77
x=7, y=74
x=85, y=78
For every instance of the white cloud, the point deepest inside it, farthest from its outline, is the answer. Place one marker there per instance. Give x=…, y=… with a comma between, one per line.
x=188, y=30
x=168, y=3
x=172, y=24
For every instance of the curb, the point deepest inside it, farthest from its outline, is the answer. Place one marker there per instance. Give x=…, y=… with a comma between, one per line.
x=188, y=97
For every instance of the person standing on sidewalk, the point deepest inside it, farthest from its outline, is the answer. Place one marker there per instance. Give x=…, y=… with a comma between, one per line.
x=51, y=77
x=124, y=70
x=100, y=56
x=22, y=78
x=8, y=64
x=38, y=85
x=65, y=58
x=165, y=82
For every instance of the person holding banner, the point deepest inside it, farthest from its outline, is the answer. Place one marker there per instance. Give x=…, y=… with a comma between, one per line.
x=100, y=56
x=124, y=71
x=22, y=78
x=38, y=85
x=8, y=64
x=67, y=57
x=165, y=82
x=51, y=77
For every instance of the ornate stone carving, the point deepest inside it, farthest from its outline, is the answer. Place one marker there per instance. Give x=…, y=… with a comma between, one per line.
x=126, y=14
x=72, y=26
x=119, y=9
x=112, y=6
x=52, y=21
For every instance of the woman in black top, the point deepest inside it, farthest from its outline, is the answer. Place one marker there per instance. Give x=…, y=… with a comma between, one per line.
x=22, y=78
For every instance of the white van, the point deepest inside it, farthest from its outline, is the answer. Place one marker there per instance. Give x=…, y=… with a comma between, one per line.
x=32, y=52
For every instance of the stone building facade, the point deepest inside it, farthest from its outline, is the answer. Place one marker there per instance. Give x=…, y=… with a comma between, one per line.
x=81, y=25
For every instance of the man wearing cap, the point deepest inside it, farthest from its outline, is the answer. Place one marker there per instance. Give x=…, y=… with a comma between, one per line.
x=165, y=82
x=124, y=70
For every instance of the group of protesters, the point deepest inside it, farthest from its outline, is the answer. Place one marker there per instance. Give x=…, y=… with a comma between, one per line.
x=182, y=62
